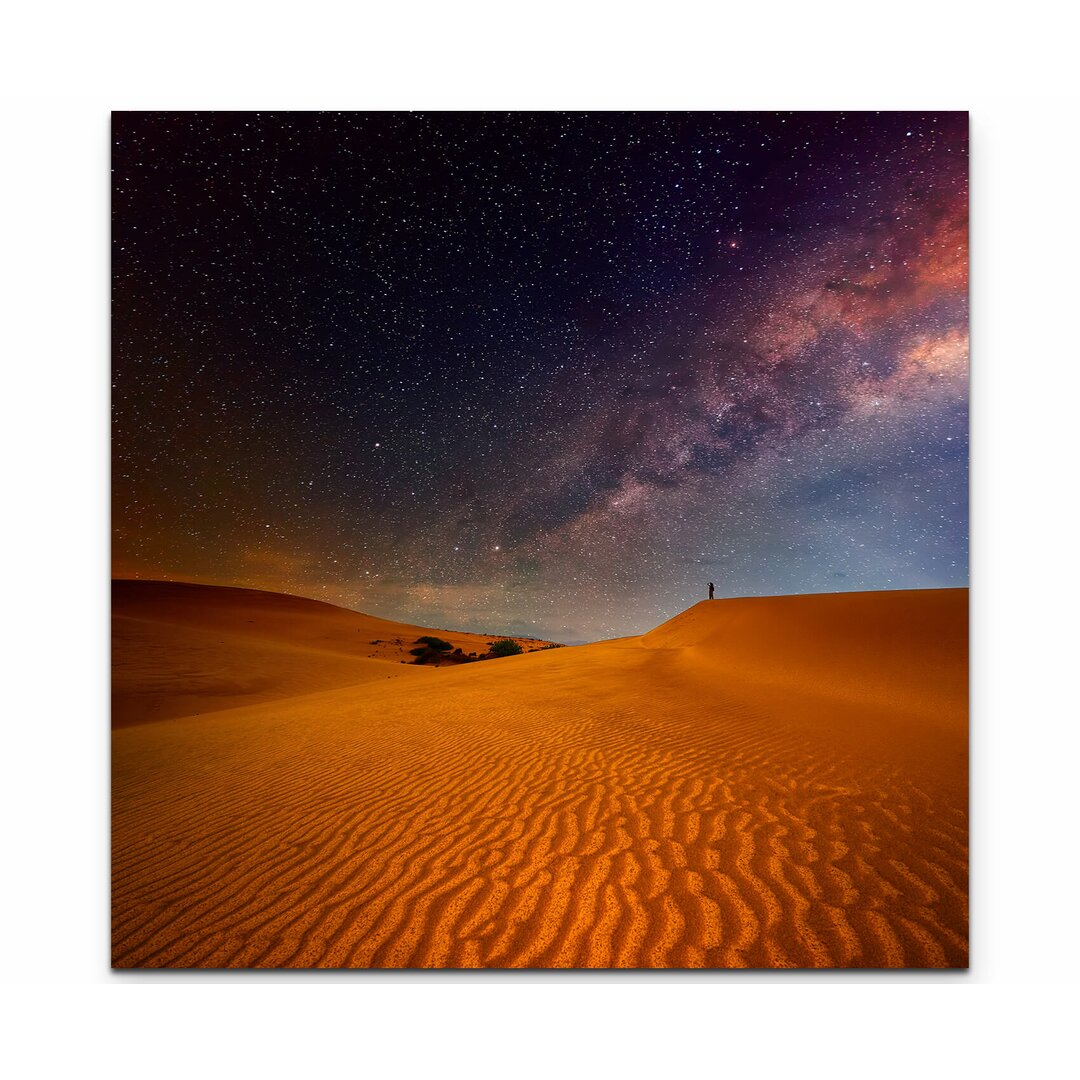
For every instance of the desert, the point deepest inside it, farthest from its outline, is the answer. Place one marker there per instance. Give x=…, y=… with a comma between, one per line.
x=769, y=782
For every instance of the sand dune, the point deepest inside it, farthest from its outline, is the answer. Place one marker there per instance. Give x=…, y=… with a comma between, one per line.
x=180, y=649
x=774, y=782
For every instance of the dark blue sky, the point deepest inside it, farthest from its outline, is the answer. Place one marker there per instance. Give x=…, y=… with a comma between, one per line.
x=542, y=373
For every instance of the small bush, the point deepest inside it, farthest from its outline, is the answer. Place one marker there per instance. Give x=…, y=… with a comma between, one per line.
x=506, y=647
x=434, y=643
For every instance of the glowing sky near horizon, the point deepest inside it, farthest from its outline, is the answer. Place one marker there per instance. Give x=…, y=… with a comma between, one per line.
x=546, y=374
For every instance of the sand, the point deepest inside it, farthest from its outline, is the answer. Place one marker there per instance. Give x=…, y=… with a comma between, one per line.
x=774, y=782
x=181, y=649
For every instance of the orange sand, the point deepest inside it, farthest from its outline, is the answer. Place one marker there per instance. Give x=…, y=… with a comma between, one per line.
x=776, y=782
x=181, y=649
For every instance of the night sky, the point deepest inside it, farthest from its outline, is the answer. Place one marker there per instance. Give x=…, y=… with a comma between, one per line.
x=545, y=374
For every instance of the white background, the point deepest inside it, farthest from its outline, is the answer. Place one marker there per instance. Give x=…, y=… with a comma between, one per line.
x=65, y=66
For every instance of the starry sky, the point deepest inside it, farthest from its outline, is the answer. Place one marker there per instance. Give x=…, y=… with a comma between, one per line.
x=546, y=374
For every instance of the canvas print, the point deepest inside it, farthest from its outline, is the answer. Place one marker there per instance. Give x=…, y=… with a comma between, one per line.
x=540, y=540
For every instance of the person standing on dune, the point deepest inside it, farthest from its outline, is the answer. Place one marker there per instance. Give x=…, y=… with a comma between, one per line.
x=710, y=590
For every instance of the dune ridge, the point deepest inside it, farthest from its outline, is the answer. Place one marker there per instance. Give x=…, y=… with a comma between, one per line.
x=651, y=802
x=181, y=648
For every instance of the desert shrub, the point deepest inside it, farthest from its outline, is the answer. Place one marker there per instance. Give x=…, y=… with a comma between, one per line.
x=434, y=643
x=506, y=647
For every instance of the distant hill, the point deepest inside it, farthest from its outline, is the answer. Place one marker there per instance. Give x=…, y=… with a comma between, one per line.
x=180, y=649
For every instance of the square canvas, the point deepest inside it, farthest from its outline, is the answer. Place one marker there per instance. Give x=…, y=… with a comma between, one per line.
x=540, y=540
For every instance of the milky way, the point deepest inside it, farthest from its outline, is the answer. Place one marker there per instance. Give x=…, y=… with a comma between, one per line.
x=541, y=373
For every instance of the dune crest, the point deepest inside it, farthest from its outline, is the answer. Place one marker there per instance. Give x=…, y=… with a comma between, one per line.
x=774, y=782
x=181, y=649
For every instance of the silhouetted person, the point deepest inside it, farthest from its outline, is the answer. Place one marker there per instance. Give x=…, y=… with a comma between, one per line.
x=710, y=590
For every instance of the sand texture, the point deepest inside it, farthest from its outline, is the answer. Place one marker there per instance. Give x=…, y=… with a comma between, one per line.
x=774, y=782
